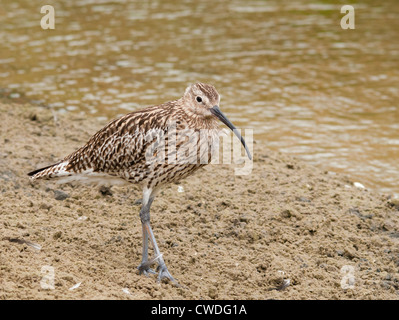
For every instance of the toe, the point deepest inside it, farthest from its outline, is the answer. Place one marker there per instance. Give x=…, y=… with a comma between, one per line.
x=144, y=268
x=147, y=272
x=164, y=274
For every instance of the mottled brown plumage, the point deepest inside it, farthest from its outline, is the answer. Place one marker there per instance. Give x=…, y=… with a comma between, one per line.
x=152, y=147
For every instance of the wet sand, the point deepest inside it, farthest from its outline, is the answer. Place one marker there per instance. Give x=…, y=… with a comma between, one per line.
x=287, y=231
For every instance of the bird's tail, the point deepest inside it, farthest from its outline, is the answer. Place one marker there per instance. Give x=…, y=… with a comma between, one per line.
x=55, y=170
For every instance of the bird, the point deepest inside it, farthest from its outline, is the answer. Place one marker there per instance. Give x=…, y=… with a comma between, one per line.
x=151, y=147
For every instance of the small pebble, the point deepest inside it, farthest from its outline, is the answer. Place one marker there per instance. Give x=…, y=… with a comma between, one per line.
x=395, y=201
x=126, y=290
x=57, y=235
x=60, y=195
x=105, y=191
x=359, y=185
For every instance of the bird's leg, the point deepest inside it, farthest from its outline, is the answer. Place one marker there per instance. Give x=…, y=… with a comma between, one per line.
x=162, y=269
x=144, y=267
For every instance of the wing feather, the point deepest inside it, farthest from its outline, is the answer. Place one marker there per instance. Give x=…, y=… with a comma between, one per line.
x=121, y=144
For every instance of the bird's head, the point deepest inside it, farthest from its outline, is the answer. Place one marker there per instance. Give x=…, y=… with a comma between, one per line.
x=203, y=100
x=200, y=98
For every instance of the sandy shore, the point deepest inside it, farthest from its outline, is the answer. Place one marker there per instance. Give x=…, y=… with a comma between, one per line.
x=287, y=231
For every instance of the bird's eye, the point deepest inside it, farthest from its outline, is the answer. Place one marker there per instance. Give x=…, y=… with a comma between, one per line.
x=199, y=99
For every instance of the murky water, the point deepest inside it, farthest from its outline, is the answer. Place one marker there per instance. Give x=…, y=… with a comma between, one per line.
x=284, y=68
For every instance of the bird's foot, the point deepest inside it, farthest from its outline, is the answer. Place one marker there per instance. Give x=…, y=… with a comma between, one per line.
x=163, y=273
x=144, y=268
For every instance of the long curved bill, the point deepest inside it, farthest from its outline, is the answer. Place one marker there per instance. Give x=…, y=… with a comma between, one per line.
x=219, y=114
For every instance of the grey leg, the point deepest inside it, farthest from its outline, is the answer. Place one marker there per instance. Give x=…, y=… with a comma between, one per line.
x=144, y=267
x=162, y=269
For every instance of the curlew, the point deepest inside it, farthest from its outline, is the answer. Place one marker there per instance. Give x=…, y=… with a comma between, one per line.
x=145, y=147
